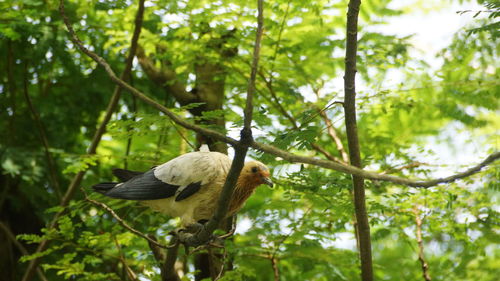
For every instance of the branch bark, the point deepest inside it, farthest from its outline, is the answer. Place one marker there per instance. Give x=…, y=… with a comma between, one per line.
x=130, y=273
x=124, y=224
x=290, y=157
x=363, y=226
x=166, y=78
x=240, y=147
x=334, y=136
x=75, y=182
x=43, y=135
x=421, y=257
x=20, y=247
x=277, y=104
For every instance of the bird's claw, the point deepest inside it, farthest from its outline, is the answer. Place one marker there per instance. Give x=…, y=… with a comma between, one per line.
x=194, y=228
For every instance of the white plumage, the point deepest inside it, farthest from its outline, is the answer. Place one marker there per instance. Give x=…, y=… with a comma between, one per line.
x=187, y=186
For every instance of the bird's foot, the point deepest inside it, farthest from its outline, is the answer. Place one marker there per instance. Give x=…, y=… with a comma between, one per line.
x=193, y=228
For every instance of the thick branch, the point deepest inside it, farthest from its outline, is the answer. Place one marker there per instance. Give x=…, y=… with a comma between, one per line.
x=273, y=150
x=75, y=182
x=240, y=149
x=168, y=266
x=363, y=227
x=166, y=78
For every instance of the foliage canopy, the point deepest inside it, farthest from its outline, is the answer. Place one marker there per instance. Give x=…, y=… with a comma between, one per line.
x=303, y=229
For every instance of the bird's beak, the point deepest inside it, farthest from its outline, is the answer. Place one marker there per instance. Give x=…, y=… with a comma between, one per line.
x=268, y=181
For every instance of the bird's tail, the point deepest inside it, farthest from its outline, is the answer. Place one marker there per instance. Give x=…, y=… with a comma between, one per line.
x=104, y=187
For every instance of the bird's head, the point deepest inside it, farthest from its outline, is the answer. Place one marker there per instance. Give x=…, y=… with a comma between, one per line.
x=254, y=173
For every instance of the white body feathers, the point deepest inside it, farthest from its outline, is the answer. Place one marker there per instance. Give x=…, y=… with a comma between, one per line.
x=209, y=168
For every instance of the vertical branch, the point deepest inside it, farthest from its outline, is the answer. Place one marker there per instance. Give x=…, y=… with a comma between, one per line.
x=274, y=264
x=255, y=65
x=20, y=247
x=421, y=258
x=129, y=139
x=240, y=148
x=12, y=88
x=43, y=135
x=334, y=136
x=365, y=251
x=130, y=273
x=75, y=182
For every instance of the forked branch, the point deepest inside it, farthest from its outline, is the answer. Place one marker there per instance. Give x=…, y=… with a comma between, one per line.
x=240, y=148
x=290, y=157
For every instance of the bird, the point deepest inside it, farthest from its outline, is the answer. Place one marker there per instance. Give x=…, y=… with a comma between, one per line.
x=187, y=186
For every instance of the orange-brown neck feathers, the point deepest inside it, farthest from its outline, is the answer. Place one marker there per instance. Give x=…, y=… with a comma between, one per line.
x=251, y=176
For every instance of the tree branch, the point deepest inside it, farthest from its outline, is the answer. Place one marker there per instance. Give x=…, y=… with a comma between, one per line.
x=166, y=78
x=168, y=266
x=130, y=273
x=43, y=135
x=20, y=247
x=334, y=136
x=274, y=264
x=123, y=223
x=240, y=147
x=75, y=182
x=255, y=64
x=363, y=226
x=277, y=104
x=290, y=157
x=421, y=258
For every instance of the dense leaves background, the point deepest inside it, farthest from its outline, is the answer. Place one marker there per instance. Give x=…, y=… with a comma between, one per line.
x=303, y=228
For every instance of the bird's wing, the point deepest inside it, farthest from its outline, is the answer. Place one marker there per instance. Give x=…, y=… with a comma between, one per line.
x=141, y=187
x=180, y=177
x=193, y=171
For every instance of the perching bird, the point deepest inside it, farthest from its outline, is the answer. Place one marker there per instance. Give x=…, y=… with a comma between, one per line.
x=187, y=186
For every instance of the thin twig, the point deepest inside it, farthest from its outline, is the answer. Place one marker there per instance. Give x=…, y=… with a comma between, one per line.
x=75, y=182
x=130, y=273
x=20, y=247
x=43, y=135
x=129, y=128
x=334, y=136
x=223, y=262
x=273, y=150
x=277, y=44
x=124, y=224
x=274, y=264
x=404, y=167
x=181, y=134
x=277, y=104
x=421, y=258
x=248, y=112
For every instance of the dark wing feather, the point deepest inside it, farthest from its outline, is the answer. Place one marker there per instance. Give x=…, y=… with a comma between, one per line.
x=125, y=175
x=141, y=187
x=189, y=190
x=104, y=187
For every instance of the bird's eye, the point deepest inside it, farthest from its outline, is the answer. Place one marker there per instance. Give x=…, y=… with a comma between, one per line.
x=254, y=169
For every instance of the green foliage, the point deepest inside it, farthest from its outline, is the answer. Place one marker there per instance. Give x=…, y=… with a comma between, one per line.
x=304, y=227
